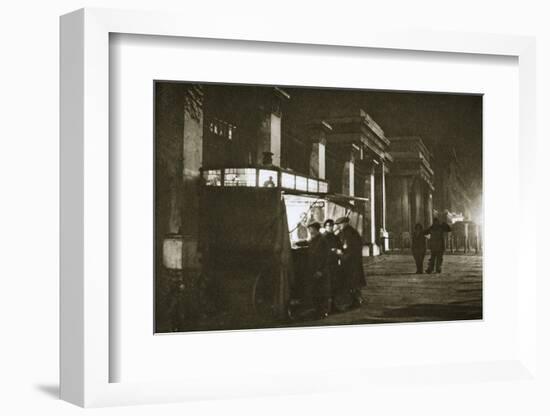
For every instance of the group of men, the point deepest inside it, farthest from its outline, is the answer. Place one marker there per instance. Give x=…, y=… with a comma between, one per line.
x=335, y=274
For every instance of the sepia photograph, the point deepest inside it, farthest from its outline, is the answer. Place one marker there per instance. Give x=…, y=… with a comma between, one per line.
x=282, y=206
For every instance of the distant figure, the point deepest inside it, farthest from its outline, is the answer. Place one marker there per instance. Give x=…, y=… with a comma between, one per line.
x=419, y=247
x=437, y=244
x=269, y=183
x=318, y=277
x=352, y=259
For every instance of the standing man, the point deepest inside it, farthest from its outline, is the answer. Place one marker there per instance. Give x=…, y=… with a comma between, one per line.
x=437, y=233
x=419, y=247
x=269, y=183
x=334, y=246
x=318, y=276
x=352, y=259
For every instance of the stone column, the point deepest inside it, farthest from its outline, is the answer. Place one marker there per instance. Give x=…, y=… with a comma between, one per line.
x=348, y=177
x=405, y=213
x=429, y=208
x=374, y=249
x=192, y=162
x=466, y=237
x=385, y=240
x=269, y=138
x=317, y=160
x=269, y=132
x=418, y=209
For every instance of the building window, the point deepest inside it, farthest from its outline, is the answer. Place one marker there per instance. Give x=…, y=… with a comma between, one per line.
x=221, y=128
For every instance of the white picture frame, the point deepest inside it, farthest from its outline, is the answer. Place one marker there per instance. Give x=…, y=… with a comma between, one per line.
x=85, y=164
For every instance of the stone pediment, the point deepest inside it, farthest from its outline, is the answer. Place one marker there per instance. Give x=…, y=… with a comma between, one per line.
x=357, y=127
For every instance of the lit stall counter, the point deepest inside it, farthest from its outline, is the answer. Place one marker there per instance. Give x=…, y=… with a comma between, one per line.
x=261, y=177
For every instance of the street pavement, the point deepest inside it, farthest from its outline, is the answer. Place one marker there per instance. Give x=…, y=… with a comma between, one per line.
x=394, y=293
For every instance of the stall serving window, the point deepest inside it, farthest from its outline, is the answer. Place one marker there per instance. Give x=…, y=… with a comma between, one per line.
x=213, y=177
x=268, y=178
x=288, y=180
x=240, y=177
x=263, y=178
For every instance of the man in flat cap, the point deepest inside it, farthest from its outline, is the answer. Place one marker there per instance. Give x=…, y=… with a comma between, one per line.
x=317, y=285
x=352, y=259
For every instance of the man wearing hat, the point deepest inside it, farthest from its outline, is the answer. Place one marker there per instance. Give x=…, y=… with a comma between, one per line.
x=317, y=285
x=335, y=247
x=352, y=259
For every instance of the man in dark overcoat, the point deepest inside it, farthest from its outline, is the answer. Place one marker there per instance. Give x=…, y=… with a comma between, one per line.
x=335, y=246
x=352, y=259
x=437, y=232
x=419, y=247
x=318, y=275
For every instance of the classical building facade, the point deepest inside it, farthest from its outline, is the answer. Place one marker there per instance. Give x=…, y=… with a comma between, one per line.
x=410, y=189
x=357, y=164
x=207, y=125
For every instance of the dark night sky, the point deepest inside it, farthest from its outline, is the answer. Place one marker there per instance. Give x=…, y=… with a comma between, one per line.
x=447, y=120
